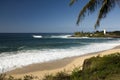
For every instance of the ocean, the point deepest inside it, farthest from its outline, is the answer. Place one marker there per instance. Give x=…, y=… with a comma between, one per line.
x=22, y=49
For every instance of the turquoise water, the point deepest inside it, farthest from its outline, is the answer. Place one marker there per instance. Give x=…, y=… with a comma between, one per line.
x=17, y=50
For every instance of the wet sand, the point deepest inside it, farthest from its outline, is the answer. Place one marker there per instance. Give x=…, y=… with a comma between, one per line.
x=52, y=67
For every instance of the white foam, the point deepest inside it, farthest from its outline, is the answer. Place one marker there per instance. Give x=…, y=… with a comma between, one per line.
x=61, y=36
x=23, y=58
x=37, y=36
x=77, y=37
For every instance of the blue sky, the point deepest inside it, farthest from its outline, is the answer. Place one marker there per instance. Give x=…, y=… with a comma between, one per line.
x=50, y=16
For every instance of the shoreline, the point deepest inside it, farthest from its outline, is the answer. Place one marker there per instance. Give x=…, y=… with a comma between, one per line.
x=52, y=67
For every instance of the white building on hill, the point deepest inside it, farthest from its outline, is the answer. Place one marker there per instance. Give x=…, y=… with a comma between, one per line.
x=104, y=32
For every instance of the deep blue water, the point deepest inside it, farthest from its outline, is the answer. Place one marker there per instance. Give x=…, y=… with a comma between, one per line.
x=21, y=49
x=14, y=42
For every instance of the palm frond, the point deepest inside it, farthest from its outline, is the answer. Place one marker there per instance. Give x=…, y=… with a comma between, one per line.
x=118, y=2
x=107, y=6
x=72, y=2
x=90, y=7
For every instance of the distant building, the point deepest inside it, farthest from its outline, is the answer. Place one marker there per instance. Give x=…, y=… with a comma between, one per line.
x=91, y=35
x=104, y=32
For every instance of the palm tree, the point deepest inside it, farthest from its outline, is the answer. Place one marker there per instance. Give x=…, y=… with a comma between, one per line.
x=104, y=6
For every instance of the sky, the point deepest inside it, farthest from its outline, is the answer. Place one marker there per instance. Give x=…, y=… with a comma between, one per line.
x=50, y=16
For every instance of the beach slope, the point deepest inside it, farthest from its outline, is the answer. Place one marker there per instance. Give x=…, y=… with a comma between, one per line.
x=67, y=64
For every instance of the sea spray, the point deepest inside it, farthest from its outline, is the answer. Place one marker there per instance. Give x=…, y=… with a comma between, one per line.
x=22, y=58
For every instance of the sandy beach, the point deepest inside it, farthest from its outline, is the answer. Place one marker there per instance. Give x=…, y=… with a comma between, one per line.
x=50, y=38
x=52, y=67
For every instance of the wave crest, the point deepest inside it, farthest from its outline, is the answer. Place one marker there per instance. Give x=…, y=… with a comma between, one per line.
x=61, y=36
x=37, y=36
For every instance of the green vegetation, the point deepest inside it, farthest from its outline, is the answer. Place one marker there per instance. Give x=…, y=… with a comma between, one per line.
x=95, y=68
x=115, y=34
x=27, y=77
x=101, y=68
x=58, y=76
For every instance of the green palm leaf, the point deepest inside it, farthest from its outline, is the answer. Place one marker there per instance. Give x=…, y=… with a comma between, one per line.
x=104, y=6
